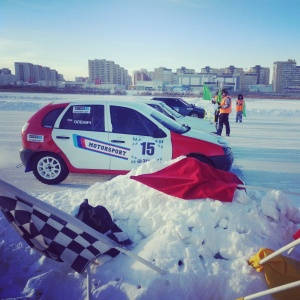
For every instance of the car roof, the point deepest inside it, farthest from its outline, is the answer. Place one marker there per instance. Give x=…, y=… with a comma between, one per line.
x=158, y=98
x=99, y=101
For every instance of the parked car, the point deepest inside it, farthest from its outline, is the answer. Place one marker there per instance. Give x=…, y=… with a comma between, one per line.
x=110, y=137
x=195, y=123
x=183, y=107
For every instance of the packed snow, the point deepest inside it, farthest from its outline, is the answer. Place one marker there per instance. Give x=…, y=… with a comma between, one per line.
x=203, y=245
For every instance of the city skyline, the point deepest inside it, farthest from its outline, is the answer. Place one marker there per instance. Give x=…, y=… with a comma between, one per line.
x=64, y=35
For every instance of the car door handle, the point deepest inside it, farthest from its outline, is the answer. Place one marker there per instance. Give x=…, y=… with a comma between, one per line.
x=117, y=141
x=60, y=137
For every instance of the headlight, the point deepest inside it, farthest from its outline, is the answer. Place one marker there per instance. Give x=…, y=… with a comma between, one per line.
x=223, y=142
x=227, y=150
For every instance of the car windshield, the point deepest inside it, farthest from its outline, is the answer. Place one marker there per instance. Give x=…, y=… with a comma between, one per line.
x=171, y=111
x=186, y=103
x=162, y=110
x=169, y=123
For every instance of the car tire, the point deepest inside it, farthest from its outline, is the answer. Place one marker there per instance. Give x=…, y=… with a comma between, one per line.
x=194, y=114
x=49, y=168
x=202, y=158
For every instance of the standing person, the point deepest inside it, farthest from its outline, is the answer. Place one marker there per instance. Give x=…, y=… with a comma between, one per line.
x=225, y=110
x=216, y=102
x=239, y=108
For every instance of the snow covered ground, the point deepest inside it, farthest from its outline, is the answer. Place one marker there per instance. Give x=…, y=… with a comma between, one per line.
x=203, y=244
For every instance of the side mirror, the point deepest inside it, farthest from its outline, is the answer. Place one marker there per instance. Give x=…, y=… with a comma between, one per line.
x=158, y=133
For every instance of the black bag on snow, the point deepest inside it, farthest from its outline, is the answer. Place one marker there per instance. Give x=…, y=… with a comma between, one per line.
x=99, y=219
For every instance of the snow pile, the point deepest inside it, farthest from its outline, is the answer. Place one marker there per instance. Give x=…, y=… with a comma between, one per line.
x=202, y=244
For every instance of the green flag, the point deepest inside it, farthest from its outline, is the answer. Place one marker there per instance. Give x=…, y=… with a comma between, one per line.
x=244, y=110
x=207, y=95
x=219, y=99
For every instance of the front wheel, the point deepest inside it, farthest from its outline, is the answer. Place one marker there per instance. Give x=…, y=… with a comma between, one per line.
x=49, y=168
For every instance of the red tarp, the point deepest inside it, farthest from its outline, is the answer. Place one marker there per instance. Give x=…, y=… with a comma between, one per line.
x=191, y=179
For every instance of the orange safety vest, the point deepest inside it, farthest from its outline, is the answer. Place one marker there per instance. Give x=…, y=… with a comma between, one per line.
x=239, y=105
x=228, y=109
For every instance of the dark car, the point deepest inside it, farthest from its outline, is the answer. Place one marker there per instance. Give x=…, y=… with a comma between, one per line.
x=181, y=106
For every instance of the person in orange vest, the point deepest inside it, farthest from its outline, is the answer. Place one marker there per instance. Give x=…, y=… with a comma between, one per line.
x=239, y=108
x=225, y=110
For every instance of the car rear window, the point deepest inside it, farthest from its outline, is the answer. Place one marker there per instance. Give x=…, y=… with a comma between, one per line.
x=50, y=118
x=84, y=117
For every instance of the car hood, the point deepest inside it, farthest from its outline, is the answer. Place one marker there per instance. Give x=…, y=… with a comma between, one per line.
x=205, y=136
x=197, y=123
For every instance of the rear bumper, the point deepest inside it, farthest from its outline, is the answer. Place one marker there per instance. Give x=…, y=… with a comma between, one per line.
x=26, y=155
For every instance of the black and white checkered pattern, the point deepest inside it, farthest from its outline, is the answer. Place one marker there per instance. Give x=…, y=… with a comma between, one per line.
x=52, y=236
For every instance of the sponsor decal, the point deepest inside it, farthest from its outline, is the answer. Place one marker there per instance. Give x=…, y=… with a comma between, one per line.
x=81, y=109
x=100, y=147
x=35, y=138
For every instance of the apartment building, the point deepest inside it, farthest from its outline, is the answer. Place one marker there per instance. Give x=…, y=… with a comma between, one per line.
x=30, y=73
x=24, y=72
x=6, y=77
x=284, y=75
x=164, y=75
x=141, y=75
x=263, y=74
x=102, y=71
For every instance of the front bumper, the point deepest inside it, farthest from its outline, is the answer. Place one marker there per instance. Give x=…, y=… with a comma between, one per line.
x=223, y=162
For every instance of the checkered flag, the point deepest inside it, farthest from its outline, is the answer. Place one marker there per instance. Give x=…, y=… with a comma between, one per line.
x=57, y=234
x=54, y=233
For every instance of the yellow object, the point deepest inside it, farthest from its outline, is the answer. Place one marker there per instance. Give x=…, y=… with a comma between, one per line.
x=278, y=271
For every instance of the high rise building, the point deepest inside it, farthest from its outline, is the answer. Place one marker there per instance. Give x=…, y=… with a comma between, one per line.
x=163, y=74
x=209, y=70
x=141, y=75
x=6, y=77
x=184, y=70
x=102, y=71
x=284, y=75
x=37, y=72
x=28, y=72
x=263, y=74
x=24, y=72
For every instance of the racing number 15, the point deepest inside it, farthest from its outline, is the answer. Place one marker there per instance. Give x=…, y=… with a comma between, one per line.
x=148, y=148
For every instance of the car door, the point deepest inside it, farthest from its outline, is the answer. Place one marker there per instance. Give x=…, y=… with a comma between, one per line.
x=138, y=138
x=80, y=134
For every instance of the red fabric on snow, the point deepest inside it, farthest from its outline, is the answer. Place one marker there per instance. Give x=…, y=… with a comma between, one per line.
x=296, y=235
x=190, y=179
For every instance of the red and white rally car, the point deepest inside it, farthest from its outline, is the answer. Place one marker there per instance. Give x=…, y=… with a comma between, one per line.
x=110, y=137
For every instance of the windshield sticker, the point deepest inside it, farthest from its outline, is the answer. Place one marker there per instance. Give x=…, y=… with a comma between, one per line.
x=81, y=109
x=82, y=122
x=100, y=147
x=35, y=138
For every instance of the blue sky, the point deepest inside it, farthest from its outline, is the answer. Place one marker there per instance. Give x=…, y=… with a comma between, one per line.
x=65, y=34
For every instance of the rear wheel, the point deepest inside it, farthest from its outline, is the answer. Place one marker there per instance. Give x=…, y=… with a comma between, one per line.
x=49, y=168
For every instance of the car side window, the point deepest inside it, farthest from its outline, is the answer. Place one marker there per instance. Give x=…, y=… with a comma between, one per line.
x=51, y=117
x=84, y=117
x=178, y=103
x=129, y=121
